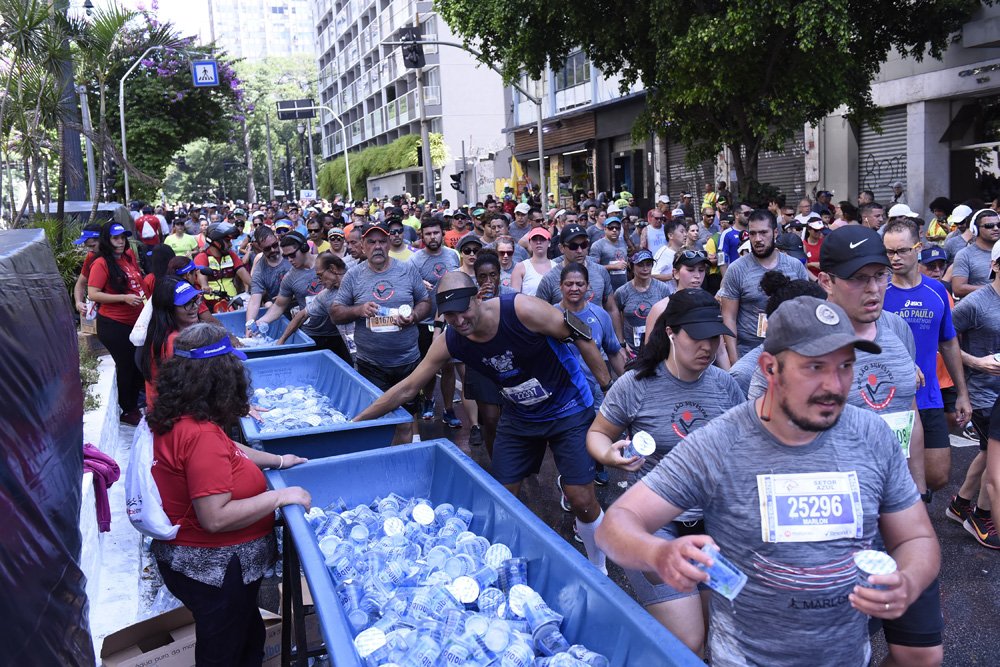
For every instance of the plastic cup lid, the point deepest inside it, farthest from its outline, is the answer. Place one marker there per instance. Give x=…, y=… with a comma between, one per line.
x=393, y=526
x=405, y=310
x=497, y=554
x=496, y=638
x=477, y=624
x=465, y=589
x=368, y=641
x=643, y=443
x=423, y=514
x=874, y=562
x=519, y=594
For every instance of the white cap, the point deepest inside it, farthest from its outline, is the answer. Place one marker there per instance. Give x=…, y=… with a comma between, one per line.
x=959, y=213
x=448, y=213
x=815, y=224
x=995, y=253
x=561, y=212
x=677, y=213
x=614, y=208
x=522, y=208
x=745, y=247
x=663, y=199
x=901, y=211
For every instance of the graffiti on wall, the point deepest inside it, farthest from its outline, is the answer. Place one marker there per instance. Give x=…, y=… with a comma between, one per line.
x=880, y=173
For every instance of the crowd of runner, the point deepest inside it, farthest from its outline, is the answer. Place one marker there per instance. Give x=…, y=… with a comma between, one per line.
x=798, y=368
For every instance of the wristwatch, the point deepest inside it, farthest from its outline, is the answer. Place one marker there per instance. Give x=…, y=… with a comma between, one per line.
x=926, y=496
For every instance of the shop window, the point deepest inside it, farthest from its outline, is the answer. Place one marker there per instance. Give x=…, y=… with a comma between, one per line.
x=574, y=72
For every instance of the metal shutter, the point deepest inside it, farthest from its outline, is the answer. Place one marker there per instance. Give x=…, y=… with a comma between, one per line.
x=882, y=157
x=785, y=169
x=682, y=178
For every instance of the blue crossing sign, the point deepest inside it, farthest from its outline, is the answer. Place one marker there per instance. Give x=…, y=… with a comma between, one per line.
x=205, y=73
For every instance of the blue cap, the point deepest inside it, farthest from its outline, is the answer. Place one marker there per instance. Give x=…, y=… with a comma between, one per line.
x=614, y=218
x=184, y=292
x=933, y=254
x=186, y=269
x=118, y=230
x=85, y=235
x=216, y=349
x=642, y=256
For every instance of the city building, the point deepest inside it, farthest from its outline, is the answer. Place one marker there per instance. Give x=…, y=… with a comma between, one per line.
x=367, y=85
x=258, y=29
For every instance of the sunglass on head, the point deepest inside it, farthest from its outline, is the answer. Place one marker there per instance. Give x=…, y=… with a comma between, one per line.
x=694, y=254
x=471, y=250
x=578, y=246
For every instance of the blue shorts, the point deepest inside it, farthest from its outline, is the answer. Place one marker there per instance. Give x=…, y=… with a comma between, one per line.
x=519, y=448
x=921, y=625
x=646, y=592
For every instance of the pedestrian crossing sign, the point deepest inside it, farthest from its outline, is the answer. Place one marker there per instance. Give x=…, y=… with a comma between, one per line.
x=205, y=73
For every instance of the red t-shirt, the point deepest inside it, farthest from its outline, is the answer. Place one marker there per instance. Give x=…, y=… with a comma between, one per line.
x=88, y=262
x=195, y=460
x=148, y=283
x=812, y=253
x=168, y=351
x=154, y=223
x=99, y=279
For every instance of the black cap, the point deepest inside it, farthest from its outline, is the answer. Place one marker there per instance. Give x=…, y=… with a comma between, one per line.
x=848, y=248
x=570, y=232
x=933, y=254
x=697, y=312
x=791, y=244
x=455, y=300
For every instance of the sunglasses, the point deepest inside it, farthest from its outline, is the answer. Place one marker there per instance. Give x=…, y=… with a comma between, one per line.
x=582, y=245
x=615, y=228
x=289, y=255
x=192, y=304
x=989, y=225
x=282, y=230
x=314, y=231
x=505, y=252
x=395, y=232
x=471, y=250
x=270, y=248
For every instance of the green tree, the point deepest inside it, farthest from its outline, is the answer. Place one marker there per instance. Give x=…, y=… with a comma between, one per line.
x=375, y=161
x=743, y=73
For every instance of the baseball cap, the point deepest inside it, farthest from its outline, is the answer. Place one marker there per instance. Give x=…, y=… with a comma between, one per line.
x=184, y=292
x=727, y=217
x=848, y=248
x=478, y=212
x=218, y=349
x=685, y=195
x=614, y=208
x=118, y=230
x=815, y=223
x=375, y=226
x=663, y=199
x=677, y=213
x=690, y=258
x=187, y=268
x=85, y=235
x=824, y=193
x=468, y=239
x=994, y=255
x=240, y=211
x=522, y=208
x=455, y=300
x=812, y=327
x=697, y=313
x=933, y=254
x=791, y=244
x=335, y=231
x=642, y=256
x=539, y=231
x=901, y=211
x=283, y=224
x=959, y=213
x=613, y=220
x=570, y=232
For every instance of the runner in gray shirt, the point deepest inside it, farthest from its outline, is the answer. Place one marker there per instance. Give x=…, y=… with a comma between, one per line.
x=267, y=271
x=972, y=264
x=636, y=298
x=610, y=251
x=741, y=296
x=792, y=486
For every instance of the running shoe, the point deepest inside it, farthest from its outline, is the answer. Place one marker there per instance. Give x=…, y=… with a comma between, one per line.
x=475, y=436
x=427, y=413
x=983, y=530
x=564, y=501
x=957, y=511
x=970, y=432
x=601, y=477
x=576, y=534
x=450, y=420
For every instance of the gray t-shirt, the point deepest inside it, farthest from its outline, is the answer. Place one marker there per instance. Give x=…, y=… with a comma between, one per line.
x=885, y=382
x=266, y=279
x=742, y=283
x=973, y=263
x=744, y=369
x=800, y=588
x=635, y=306
x=600, y=284
x=977, y=321
x=605, y=252
x=319, y=322
x=378, y=340
x=953, y=244
x=299, y=285
x=517, y=232
x=432, y=267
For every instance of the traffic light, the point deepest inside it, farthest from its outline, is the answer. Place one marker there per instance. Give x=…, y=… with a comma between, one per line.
x=413, y=51
x=456, y=182
x=420, y=155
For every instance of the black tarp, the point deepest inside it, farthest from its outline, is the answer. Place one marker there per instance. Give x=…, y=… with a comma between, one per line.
x=43, y=604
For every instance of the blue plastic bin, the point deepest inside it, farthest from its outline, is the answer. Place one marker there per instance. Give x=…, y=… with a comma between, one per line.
x=236, y=324
x=348, y=391
x=597, y=613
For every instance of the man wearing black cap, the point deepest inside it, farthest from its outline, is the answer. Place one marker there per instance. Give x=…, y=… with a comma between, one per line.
x=792, y=486
x=384, y=298
x=519, y=342
x=575, y=245
x=855, y=272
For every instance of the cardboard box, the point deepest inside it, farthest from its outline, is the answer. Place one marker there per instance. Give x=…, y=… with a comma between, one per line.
x=314, y=639
x=168, y=640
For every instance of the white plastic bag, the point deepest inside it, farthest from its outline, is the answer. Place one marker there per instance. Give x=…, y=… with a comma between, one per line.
x=138, y=335
x=142, y=498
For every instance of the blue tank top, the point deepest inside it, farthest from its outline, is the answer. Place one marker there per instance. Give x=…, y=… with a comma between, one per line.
x=539, y=377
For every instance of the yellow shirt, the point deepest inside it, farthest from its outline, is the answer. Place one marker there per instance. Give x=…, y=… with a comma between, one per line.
x=321, y=247
x=712, y=250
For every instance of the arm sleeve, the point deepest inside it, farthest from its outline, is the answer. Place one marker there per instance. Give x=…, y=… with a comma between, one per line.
x=961, y=265
x=98, y=274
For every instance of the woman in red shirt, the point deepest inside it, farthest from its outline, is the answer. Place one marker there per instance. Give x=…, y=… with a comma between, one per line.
x=214, y=490
x=176, y=306
x=115, y=284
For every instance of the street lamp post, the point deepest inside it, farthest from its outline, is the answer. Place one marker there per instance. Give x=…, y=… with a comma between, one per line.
x=537, y=101
x=121, y=107
x=343, y=130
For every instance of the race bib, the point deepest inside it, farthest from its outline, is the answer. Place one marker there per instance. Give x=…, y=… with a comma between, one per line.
x=810, y=507
x=638, y=333
x=384, y=322
x=529, y=392
x=901, y=424
x=761, y=325
x=618, y=272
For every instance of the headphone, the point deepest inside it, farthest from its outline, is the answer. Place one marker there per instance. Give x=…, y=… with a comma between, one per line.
x=978, y=215
x=301, y=244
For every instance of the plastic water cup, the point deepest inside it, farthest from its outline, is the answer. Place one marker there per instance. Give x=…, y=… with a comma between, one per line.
x=444, y=511
x=489, y=601
x=485, y=576
x=869, y=562
x=497, y=554
x=642, y=444
x=465, y=589
x=475, y=545
x=724, y=577
x=548, y=640
x=497, y=637
x=371, y=647
x=537, y=613
x=425, y=652
x=456, y=653
x=585, y=655
x=465, y=515
x=512, y=572
x=423, y=514
x=516, y=599
x=459, y=565
x=405, y=310
x=518, y=654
